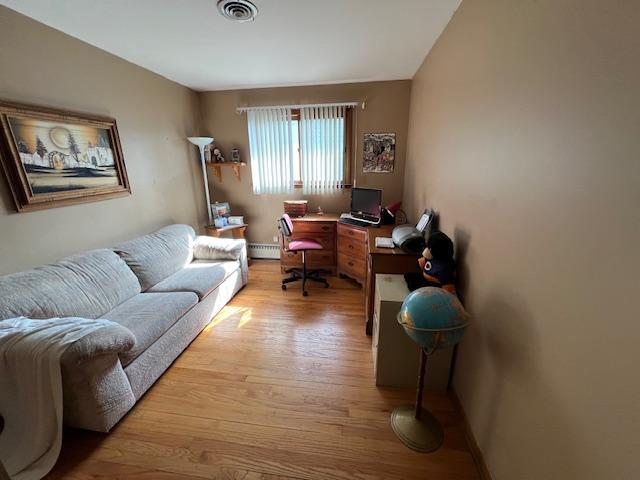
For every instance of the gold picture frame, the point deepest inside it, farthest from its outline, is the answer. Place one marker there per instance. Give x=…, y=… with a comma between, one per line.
x=53, y=158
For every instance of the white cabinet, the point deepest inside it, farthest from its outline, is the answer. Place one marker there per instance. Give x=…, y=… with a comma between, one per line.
x=395, y=356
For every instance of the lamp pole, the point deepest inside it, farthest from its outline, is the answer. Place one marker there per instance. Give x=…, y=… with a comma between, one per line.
x=202, y=142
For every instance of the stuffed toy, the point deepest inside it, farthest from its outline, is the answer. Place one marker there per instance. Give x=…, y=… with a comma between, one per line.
x=437, y=264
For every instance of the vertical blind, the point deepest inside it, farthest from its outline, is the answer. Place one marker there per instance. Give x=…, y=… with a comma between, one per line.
x=286, y=148
x=322, y=149
x=271, y=145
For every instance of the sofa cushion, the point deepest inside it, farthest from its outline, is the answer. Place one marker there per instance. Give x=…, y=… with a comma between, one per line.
x=86, y=285
x=148, y=316
x=200, y=277
x=155, y=256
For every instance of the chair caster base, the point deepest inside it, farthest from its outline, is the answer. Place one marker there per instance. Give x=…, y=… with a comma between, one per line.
x=284, y=287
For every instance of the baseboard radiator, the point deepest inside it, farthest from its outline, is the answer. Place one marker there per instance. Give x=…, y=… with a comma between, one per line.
x=264, y=250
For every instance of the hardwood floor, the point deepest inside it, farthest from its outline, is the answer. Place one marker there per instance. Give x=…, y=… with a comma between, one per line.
x=277, y=387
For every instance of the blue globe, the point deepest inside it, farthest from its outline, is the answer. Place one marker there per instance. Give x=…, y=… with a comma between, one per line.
x=433, y=318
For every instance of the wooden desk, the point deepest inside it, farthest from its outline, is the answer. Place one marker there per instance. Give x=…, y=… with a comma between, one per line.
x=316, y=218
x=384, y=260
x=321, y=228
x=237, y=231
x=342, y=253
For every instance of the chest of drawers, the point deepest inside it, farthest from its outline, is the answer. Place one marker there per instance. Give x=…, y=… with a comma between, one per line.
x=352, y=252
x=322, y=229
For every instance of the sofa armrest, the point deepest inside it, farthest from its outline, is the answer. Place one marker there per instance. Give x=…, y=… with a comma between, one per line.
x=214, y=248
x=113, y=339
x=96, y=390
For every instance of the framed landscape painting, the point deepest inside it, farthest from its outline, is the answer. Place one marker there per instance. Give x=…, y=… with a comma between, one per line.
x=53, y=158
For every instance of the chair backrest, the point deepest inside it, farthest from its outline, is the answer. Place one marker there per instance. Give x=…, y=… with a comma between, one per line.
x=285, y=225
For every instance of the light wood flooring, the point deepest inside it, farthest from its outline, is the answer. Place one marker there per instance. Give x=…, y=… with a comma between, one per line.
x=277, y=386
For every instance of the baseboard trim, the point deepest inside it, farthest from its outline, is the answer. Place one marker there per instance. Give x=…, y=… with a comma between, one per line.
x=476, y=453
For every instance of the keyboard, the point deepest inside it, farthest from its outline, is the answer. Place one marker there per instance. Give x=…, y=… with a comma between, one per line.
x=349, y=220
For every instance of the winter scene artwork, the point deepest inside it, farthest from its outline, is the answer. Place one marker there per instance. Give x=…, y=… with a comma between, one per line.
x=54, y=158
x=379, y=151
x=58, y=157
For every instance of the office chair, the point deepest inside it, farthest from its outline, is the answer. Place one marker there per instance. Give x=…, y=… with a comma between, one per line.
x=285, y=225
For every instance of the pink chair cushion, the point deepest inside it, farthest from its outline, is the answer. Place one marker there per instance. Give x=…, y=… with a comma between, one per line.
x=304, y=244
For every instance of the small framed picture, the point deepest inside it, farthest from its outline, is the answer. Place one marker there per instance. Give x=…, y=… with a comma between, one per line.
x=220, y=209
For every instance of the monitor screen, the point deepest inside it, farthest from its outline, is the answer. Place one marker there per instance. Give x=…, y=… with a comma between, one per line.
x=366, y=202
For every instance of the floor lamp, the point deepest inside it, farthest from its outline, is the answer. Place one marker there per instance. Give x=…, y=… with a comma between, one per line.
x=202, y=142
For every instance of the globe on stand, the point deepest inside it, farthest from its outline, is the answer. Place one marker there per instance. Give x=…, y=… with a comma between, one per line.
x=434, y=319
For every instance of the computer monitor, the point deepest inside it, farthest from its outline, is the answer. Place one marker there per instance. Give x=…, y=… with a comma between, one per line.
x=365, y=203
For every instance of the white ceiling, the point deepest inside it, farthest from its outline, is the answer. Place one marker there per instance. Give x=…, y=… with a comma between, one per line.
x=291, y=42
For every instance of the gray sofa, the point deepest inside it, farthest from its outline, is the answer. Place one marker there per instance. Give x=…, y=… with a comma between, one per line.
x=162, y=289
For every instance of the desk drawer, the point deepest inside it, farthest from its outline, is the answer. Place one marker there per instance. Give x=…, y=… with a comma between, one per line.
x=327, y=240
x=290, y=259
x=320, y=258
x=351, y=266
x=352, y=247
x=314, y=227
x=349, y=231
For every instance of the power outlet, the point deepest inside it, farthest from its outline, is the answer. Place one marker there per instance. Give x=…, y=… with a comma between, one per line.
x=275, y=239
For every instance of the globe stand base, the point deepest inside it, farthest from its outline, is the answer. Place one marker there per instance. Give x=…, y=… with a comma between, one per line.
x=422, y=435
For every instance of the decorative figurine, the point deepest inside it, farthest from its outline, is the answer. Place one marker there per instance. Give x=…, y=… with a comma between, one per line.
x=217, y=156
x=208, y=153
x=437, y=263
x=235, y=155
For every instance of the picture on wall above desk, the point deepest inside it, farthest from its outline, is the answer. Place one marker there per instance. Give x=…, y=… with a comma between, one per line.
x=379, y=152
x=53, y=158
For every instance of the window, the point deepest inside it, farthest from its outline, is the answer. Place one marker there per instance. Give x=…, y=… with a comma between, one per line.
x=306, y=147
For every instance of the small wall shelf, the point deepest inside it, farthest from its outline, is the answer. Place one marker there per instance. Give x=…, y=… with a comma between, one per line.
x=217, y=169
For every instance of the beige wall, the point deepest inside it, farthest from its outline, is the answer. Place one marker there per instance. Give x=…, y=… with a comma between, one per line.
x=387, y=110
x=524, y=134
x=45, y=67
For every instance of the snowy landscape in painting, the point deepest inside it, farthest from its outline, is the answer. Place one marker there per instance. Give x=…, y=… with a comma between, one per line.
x=63, y=156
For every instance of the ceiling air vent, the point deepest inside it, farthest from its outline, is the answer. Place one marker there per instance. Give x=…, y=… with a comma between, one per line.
x=238, y=10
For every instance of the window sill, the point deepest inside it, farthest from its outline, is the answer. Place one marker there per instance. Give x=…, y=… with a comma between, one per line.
x=345, y=187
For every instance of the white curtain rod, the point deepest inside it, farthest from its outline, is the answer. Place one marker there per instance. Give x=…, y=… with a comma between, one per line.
x=265, y=107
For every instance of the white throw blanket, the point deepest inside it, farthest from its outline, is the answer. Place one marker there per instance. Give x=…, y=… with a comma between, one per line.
x=31, y=390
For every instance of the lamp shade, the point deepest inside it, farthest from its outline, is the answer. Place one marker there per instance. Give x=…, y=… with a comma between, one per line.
x=200, y=141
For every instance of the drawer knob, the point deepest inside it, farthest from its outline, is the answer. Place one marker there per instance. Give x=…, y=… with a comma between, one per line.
x=350, y=264
x=351, y=247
